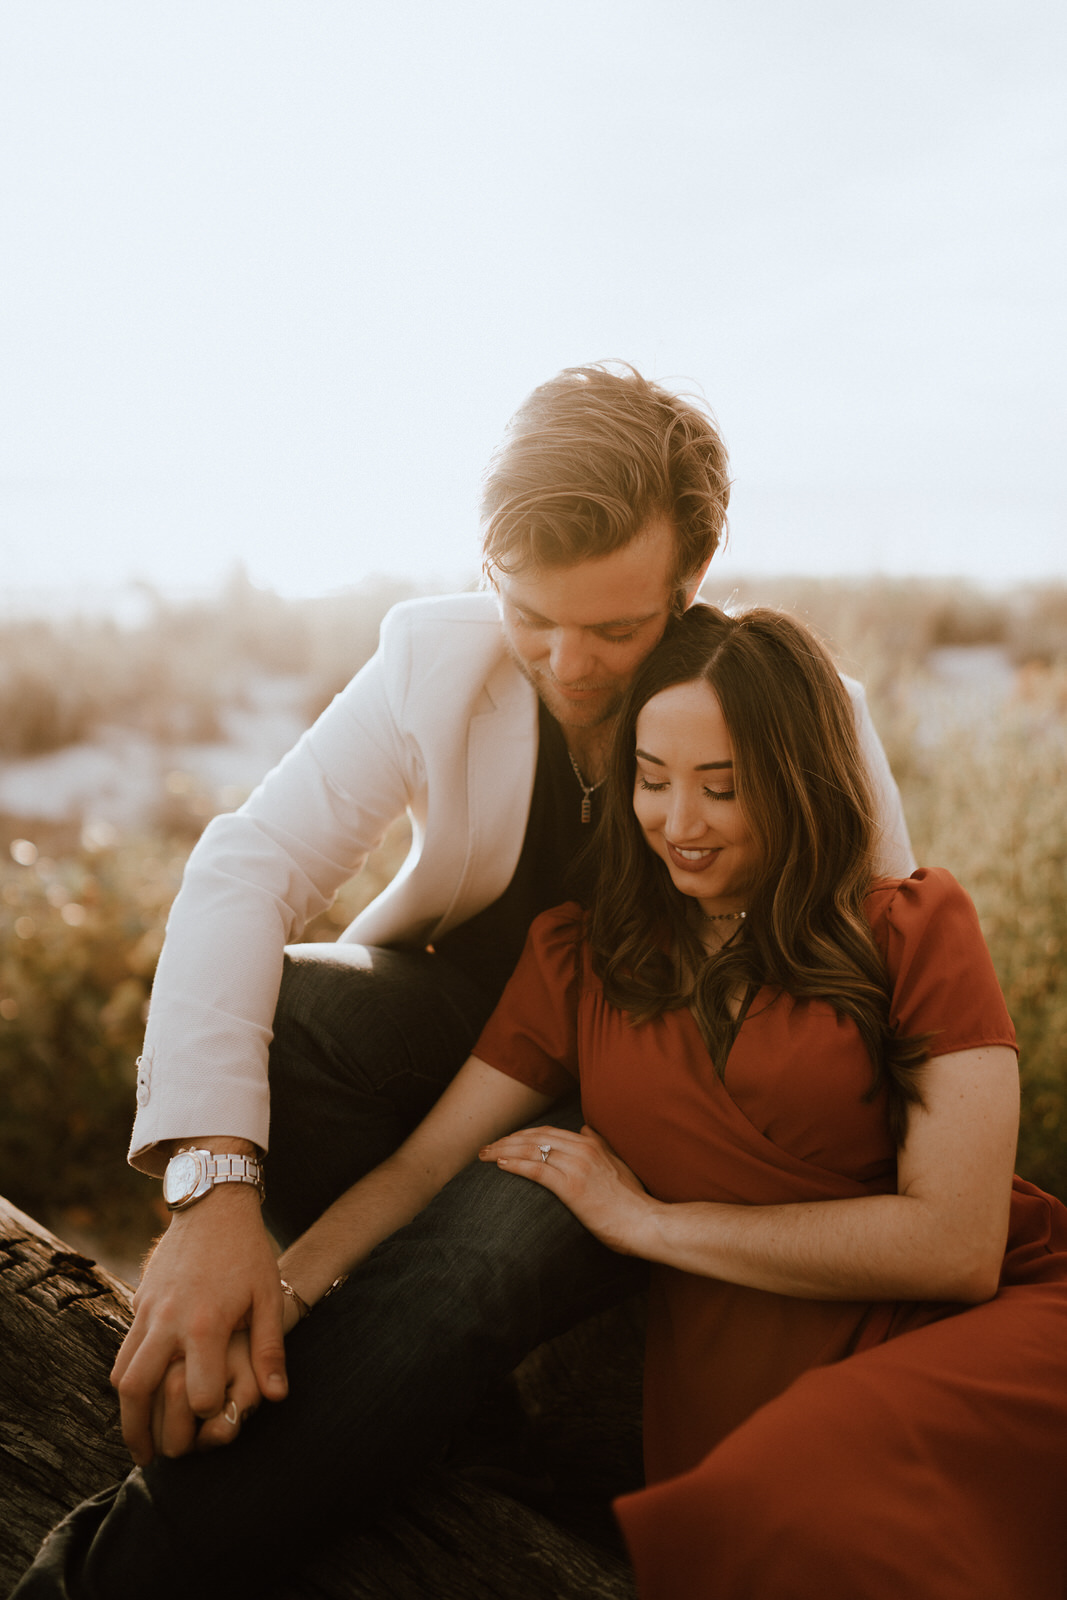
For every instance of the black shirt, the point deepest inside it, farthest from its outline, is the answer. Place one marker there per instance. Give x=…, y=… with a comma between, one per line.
x=487, y=946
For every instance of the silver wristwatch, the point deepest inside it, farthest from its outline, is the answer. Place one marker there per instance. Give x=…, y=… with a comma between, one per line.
x=192, y=1174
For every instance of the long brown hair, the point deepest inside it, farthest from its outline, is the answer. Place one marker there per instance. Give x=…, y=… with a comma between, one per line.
x=803, y=792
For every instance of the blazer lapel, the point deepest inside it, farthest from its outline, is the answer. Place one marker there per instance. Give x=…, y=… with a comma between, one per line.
x=501, y=762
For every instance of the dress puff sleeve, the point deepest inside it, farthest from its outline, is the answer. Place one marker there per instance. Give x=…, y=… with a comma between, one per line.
x=532, y=1034
x=942, y=976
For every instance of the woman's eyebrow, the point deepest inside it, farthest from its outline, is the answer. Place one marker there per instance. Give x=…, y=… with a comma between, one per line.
x=705, y=766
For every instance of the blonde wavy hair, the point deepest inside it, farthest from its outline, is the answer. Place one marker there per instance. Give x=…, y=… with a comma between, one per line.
x=589, y=459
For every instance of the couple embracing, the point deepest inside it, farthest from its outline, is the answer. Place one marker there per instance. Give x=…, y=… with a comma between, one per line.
x=758, y=1059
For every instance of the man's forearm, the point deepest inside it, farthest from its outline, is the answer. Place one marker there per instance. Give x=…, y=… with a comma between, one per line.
x=216, y=1144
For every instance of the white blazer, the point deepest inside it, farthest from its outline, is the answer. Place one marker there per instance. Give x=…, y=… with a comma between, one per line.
x=440, y=723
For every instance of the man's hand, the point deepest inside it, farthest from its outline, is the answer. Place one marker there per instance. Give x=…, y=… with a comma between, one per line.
x=212, y=1272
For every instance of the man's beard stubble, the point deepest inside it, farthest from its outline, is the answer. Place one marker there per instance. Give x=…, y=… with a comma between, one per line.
x=570, y=716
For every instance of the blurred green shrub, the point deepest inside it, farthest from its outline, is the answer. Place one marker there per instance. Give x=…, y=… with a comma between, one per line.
x=79, y=938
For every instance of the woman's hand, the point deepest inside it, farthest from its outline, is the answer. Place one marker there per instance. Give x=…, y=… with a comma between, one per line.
x=213, y=1272
x=940, y=1237
x=242, y=1397
x=583, y=1171
x=175, y=1429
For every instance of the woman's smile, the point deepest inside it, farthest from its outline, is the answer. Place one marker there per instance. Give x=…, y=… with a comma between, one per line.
x=692, y=860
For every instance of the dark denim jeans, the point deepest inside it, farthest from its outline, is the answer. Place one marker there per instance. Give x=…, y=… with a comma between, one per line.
x=385, y=1369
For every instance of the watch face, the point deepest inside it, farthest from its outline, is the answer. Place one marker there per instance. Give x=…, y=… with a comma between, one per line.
x=180, y=1180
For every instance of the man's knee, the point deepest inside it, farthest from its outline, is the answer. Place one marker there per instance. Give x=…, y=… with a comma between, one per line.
x=387, y=1013
x=315, y=981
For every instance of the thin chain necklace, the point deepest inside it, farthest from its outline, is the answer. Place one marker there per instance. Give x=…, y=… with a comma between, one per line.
x=588, y=790
x=724, y=916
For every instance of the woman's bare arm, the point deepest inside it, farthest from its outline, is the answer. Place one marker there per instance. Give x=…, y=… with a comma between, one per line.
x=941, y=1236
x=480, y=1104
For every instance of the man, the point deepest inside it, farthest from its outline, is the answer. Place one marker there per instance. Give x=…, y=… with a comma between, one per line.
x=488, y=718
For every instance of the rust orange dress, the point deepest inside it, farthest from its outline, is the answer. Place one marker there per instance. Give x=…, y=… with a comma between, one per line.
x=815, y=1449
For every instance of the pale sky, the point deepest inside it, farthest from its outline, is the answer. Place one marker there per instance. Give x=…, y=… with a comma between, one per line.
x=274, y=273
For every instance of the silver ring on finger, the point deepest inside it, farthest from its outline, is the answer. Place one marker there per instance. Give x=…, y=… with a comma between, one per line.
x=230, y=1412
x=546, y=1151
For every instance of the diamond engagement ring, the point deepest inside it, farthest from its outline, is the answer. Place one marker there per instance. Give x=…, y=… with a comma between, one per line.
x=544, y=1149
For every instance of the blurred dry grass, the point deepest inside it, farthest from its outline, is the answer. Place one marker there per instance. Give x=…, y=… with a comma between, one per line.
x=82, y=911
x=990, y=803
x=169, y=676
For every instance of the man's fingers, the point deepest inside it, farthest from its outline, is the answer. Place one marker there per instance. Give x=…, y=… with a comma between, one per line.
x=137, y=1430
x=267, y=1346
x=129, y=1347
x=144, y=1371
x=198, y=1288
x=174, y=1424
x=161, y=1397
x=205, y=1362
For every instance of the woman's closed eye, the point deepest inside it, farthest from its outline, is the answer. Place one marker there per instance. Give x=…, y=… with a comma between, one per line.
x=652, y=787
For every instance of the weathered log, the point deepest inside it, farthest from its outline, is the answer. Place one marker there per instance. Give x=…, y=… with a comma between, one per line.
x=503, y=1520
x=62, y=1318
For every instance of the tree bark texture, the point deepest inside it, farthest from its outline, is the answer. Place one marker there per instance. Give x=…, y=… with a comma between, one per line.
x=520, y=1511
x=62, y=1318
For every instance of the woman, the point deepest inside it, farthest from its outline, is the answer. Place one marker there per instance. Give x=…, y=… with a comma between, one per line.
x=805, y=1104
x=801, y=1099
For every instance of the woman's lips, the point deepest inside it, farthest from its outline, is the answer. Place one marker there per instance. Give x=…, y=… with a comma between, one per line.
x=692, y=860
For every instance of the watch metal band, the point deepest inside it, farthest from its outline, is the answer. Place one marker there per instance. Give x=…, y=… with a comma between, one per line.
x=236, y=1169
x=192, y=1173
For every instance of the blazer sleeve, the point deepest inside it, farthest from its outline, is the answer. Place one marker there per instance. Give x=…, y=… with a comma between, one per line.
x=893, y=855
x=253, y=881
